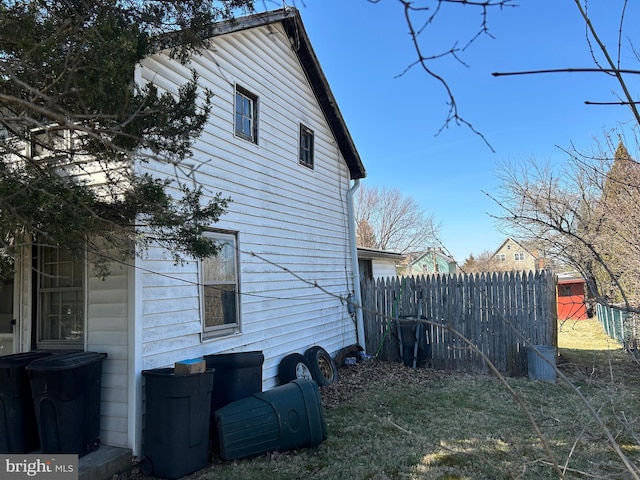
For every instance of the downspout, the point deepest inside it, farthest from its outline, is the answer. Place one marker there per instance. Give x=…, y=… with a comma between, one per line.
x=356, y=299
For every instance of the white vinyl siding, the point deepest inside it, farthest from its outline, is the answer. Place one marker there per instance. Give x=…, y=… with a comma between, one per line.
x=295, y=266
x=108, y=323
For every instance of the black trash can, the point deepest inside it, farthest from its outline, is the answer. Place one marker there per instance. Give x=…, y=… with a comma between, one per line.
x=66, y=396
x=18, y=426
x=284, y=418
x=238, y=375
x=414, y=341
x=176, y=431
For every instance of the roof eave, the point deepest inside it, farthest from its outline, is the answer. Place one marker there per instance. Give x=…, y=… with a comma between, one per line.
x=302, y=46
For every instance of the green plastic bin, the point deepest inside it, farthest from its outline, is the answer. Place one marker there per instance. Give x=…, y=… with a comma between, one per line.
x=284, y=418
x=176, y=430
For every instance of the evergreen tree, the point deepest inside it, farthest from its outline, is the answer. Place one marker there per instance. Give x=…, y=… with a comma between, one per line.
x=67, y=95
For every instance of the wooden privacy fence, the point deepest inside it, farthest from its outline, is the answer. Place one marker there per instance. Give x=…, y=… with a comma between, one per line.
x=498, y=313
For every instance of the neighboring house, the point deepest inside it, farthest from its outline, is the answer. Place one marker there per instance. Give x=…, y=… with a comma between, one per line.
x=434, y=260
x=375, y=264
x=276, y=143
x=571, y=298
x=511, y=255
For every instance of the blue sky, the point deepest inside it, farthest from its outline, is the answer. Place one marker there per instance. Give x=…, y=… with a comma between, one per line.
x=363, y=47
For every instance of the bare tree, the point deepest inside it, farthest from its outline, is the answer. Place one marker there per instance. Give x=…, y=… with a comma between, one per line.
x=419, y=16
x=484, y=262
x=387, y=219
x=585, y=214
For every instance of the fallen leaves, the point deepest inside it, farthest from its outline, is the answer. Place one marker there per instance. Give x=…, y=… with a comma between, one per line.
x=365, y=373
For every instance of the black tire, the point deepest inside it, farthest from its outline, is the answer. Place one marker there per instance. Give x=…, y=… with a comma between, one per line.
x=322, y=366
x=292, y=367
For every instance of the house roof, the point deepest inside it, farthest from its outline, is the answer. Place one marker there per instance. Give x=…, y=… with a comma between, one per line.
x=371, y=253
x=567, y=280
x=292, y=24
x=517, y=243
x=431, y=253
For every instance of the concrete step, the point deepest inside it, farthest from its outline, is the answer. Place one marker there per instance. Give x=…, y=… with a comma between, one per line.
x=104, y=463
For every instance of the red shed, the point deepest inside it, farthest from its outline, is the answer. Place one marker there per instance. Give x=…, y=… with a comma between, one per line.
x=571, y=298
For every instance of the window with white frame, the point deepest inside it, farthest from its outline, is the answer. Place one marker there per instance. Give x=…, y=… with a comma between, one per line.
x=60, y=282
x=49, y=143
x=501, y=257
x=220, y=283
x=518, y=256
x=246, y=115
x=306, y=146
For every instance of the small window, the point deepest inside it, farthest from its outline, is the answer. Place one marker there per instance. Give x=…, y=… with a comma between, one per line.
x=220, y=288
x=501, y=257
x=306, y=146
x=564, y=290
x=518, y=256
x=46, y=143
x=246, y=116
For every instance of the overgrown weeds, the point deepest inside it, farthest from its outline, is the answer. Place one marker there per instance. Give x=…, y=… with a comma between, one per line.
x=391, y=422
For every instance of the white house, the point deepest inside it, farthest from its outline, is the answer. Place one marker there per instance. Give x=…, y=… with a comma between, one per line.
x=277, y=144
x=375, y=264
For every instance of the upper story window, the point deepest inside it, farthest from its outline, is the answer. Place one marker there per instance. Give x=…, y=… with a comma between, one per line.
x=47, y=143
x=246, y=115
x=518, y=256
x=306, y=146
x=220, y=288
x=501, y=257
x=61, y=279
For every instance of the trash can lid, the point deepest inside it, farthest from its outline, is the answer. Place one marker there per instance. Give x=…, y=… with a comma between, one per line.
x=66, y=361
x=16, y=360
x=235, y=359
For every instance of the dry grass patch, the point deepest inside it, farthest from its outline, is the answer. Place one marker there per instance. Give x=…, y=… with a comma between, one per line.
x=584, y=335
x=387, y=421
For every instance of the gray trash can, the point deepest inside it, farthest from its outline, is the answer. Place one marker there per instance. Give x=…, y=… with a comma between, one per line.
x=542, y=365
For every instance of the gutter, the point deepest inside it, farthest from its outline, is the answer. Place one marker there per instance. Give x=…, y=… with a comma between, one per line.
x=355, y=302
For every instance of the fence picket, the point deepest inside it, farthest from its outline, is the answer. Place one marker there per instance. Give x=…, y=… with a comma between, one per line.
x=497, y=312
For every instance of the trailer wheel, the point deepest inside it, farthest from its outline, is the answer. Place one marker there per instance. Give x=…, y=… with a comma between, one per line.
x=292, y=367
x=322, y=366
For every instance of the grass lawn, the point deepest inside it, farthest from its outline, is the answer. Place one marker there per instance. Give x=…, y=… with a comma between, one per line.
x=393, y=422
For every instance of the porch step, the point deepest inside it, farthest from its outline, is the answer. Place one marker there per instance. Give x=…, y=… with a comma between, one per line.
x=104, y=463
